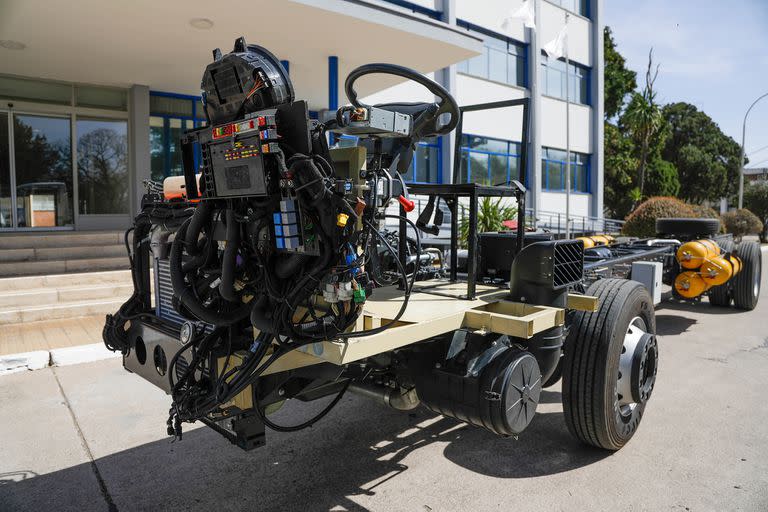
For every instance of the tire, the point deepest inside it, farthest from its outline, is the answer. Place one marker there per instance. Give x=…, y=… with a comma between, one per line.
x=595, y=351
x=720, y=296
x=556, y=375
x=746, y=284
x=687, y=227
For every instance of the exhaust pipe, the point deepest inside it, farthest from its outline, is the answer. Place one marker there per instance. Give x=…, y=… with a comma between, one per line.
x=399, y=399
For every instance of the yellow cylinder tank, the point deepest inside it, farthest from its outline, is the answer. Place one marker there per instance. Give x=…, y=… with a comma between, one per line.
x=691, y=255
x=689, y=284
x=600, y=240
x=716, y=271
x=588, y=242
x=736, y=263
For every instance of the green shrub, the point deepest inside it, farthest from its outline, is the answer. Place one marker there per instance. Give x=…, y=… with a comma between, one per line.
x=490, y=216
x=642, y=221
x=704, y=212
x=756, y=199
x=742, y=222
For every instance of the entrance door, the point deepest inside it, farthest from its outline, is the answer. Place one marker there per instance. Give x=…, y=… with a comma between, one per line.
x=102, y=167
x=40, y=171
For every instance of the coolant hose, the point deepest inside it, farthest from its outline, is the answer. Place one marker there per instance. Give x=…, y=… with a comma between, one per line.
x=199, y=219
x=229, y=259
x=185, y=293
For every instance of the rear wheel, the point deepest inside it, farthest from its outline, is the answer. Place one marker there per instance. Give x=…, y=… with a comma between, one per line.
x=610, y=365
x=721, y=295
x=746, y=284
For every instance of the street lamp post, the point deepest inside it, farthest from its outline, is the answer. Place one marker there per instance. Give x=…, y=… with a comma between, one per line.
x=743, y=141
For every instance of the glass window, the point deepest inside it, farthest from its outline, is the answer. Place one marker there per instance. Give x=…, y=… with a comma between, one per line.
x=425, y=167
x=43, y=157
x=101, y=97
x=165, y=145
x=35, y=90
x=6, y=210
x=102, y=167
x=502, y=60
x=553, y=166
x=488, y=161
x=577, y=6
x=554, y=77
x=478, y=66
x=171, y=106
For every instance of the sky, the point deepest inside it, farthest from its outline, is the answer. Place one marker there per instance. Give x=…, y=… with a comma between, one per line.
x=713, y=54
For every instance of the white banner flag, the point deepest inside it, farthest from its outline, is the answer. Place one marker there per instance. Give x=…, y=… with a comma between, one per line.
x=524, y=13
x=558, y=47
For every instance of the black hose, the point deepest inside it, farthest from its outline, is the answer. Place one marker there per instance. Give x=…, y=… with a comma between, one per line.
x=229, y=258
x=199, y=219
x=308, y=423
x=187, y=295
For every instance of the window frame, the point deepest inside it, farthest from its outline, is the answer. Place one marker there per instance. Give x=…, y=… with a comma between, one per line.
x=571, y=72
x=469, y=151
x=579, y=161
x=198, y=119
x=494, y=41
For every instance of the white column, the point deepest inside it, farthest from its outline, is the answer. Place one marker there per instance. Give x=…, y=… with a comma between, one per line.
x=597, y=80
x=138, y=126
x=447, y=78
x=534, y=84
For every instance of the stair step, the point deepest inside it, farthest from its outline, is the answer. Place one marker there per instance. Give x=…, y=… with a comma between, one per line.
x=62, y=295
x=62, y=253
x=26, y=268
x=34, y=240
x=32, y=283
x=50, y=334
x=58, y=311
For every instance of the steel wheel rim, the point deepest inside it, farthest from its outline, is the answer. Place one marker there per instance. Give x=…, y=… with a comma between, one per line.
x=636, y=331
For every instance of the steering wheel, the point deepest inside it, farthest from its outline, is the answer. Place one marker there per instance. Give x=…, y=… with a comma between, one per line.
x=426, y=116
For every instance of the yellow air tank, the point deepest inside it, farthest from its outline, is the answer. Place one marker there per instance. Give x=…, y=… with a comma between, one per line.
x=600, y=240
x=736, y=263
x=689, y=284
x=691, y=255
x=716, y=271
x=588, y=242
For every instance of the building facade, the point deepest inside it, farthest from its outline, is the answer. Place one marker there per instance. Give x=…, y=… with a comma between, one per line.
x=94, y=97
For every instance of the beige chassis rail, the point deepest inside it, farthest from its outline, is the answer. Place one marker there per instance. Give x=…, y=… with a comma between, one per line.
x=433, y=310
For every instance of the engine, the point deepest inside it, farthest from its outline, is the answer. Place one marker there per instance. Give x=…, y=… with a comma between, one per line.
x=264, y=245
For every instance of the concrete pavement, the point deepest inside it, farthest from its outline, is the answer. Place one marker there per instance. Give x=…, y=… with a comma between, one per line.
x=91, y=437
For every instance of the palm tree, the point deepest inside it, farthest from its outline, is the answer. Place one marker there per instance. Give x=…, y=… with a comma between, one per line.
x=643, y=119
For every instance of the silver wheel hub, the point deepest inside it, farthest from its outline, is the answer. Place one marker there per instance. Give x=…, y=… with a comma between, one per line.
x=637, y=366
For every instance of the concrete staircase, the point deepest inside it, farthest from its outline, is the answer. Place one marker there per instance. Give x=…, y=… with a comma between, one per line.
x=55, y=311
x=26, y=254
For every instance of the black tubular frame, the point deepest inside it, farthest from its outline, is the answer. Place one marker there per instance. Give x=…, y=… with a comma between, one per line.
x=451, y=193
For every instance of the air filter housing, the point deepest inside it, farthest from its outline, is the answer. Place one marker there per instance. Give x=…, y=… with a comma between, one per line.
x=542, y=272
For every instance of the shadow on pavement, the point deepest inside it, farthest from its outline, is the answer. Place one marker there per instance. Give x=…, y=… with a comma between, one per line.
x=672, y=325
x=352, y=452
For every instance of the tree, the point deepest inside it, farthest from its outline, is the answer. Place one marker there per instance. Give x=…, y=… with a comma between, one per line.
x=756, y=200
x=620, y=168
x=662, y=178
x=619, y=81
x=643, y=120
x=707, y=160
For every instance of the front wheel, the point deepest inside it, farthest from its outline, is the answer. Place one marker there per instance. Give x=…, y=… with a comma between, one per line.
x=610, y=364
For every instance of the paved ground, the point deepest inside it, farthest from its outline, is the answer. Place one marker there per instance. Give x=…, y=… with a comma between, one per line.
x=91, y=437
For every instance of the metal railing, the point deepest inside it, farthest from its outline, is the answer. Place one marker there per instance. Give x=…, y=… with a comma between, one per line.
x=544, y=220
x=580, y=224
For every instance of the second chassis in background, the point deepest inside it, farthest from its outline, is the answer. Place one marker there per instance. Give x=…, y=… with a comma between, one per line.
x=274, y=281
